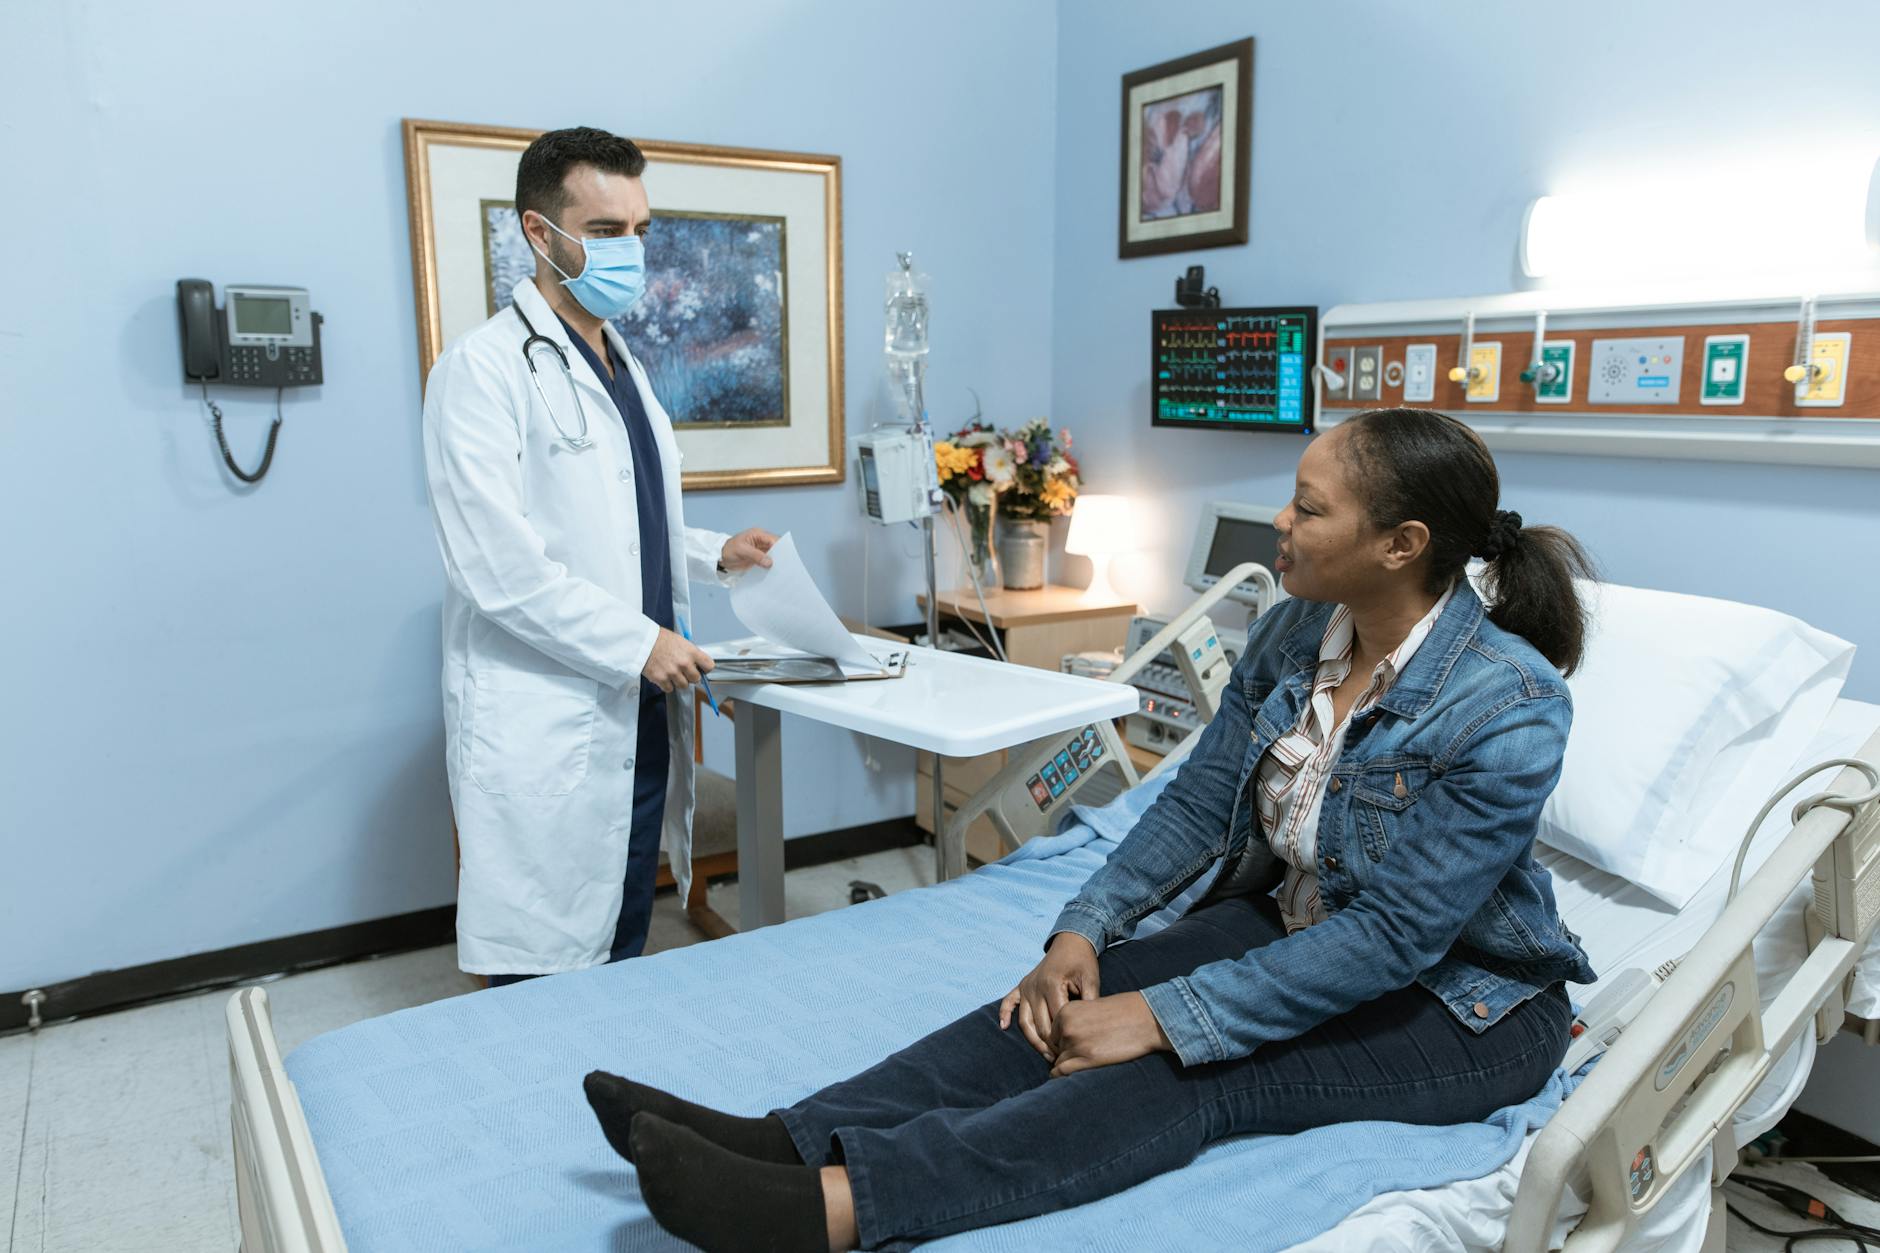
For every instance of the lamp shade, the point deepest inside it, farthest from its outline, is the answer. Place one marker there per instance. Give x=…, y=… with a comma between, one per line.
x=1101, y=525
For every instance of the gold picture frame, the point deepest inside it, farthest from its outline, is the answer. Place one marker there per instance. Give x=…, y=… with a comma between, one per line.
x=456, y=174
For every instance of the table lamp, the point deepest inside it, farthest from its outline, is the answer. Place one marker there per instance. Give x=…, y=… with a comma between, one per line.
x=1101, y=526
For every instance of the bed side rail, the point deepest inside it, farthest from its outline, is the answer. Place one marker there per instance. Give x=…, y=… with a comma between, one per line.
x=1672, y=1082
x=1091, y=765
x=279, y=1188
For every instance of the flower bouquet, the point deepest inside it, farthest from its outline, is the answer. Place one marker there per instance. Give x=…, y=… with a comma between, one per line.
x=974, y=465
x=1044, y=484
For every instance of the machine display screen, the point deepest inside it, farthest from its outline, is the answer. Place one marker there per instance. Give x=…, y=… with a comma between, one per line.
x=262, y=315
x=1237, y=540
x=1232, y=369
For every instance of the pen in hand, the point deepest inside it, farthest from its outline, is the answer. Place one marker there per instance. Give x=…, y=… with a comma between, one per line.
x=703, y=681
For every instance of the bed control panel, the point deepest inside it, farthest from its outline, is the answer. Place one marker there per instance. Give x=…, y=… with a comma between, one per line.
x=1043, y=779
x=1079, y=756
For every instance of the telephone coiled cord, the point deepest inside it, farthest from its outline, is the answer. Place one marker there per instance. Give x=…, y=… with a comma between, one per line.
x=228, y=458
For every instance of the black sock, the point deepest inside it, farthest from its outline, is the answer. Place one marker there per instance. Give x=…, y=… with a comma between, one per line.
x=723, y=1202
x=616, y=1101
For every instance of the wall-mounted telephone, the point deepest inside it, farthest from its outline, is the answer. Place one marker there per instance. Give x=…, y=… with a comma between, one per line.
x=265, y=337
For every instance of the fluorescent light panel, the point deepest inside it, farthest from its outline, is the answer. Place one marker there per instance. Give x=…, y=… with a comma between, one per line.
x=1801, y=217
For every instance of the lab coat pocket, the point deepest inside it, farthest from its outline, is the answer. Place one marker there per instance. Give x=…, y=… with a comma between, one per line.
x=529, y=734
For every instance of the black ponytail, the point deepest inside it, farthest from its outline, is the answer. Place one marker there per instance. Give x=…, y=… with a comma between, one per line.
x=1417, y=464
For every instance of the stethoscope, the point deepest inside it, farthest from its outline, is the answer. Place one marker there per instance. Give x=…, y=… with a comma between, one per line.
x=578, y=443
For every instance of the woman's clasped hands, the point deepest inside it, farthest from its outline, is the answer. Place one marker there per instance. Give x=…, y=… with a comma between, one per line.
x=1063, y=1016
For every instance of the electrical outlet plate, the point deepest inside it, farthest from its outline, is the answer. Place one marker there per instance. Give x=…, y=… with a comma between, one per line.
x=1367, y=374
x=1419, y=373
x=1636, y=372
x=1726, y=370
x=1830, y=352
x=1485, y=357
x=1557, y=352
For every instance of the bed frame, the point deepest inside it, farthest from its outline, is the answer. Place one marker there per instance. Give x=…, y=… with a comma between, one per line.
x=1632, y=1128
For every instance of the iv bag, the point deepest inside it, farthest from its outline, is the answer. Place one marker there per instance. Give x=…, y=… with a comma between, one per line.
x=905, y=336
x=906, y=330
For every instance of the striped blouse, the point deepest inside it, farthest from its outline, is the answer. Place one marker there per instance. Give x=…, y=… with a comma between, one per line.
x=1290, y=781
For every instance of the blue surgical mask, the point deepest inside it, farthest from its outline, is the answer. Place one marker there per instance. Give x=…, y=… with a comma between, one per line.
x=614, y=276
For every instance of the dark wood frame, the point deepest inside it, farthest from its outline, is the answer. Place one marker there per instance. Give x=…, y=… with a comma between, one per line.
x=1241, y=51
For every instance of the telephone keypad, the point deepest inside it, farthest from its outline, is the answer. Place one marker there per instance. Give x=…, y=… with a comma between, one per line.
x=272, y=366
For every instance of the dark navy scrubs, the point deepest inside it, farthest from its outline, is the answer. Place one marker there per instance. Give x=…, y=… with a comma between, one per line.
x=653, y=755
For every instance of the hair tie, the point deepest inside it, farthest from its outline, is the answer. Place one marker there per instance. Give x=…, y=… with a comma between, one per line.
x=1504, y=532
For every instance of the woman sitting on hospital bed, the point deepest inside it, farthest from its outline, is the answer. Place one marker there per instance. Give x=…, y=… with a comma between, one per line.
x=1380, y=943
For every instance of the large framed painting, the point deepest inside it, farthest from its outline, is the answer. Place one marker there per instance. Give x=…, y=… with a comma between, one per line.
x=740, y=329
x=1187, y=150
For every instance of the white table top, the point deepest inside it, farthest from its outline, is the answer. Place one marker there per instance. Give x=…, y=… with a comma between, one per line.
x=946, y=703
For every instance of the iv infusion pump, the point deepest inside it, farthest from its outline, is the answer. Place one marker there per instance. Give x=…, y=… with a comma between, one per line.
x=895, y=474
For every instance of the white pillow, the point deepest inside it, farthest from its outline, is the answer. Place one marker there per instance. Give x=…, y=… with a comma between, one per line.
x=1687, y=712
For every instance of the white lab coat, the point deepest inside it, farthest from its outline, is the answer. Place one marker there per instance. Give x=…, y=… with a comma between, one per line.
x=544, y=641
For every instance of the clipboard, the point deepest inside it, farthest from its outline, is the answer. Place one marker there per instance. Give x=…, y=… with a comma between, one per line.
x=765, y=663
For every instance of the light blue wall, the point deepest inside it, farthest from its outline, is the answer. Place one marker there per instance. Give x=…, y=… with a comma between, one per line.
x=1394, y=148
x=219, y=712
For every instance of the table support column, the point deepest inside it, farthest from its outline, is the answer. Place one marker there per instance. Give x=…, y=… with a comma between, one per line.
x=760, y=816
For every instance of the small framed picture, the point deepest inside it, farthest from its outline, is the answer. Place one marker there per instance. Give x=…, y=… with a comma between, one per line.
x=1187, y=147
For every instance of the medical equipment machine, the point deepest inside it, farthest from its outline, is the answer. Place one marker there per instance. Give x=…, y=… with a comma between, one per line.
x=1168, y=712
x=1232, y=369
x=895, y=473
x=538, y=349
x=265, y=337
x=1231, y=534
x=1031, y=795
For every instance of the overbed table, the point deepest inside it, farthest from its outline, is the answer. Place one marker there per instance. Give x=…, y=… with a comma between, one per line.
x=946, y=703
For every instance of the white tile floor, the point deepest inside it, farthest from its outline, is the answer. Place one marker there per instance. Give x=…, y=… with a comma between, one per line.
x=114, y=1130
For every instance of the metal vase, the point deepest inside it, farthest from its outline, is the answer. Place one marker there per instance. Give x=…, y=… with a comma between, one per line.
x=1022, y=545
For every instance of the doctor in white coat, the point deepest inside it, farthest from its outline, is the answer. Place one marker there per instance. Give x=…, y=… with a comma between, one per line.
x=568, y=684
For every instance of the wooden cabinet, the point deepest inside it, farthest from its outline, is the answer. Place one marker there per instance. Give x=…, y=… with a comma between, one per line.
x=1037, y=628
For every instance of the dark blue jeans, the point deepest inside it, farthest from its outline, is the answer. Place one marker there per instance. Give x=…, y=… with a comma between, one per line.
x=965, y=1128
x=652, y=760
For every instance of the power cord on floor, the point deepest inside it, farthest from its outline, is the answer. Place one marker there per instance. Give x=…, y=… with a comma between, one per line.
x=1836, y=1226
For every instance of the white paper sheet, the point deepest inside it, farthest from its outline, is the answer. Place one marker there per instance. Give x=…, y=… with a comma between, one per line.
x=783, y=604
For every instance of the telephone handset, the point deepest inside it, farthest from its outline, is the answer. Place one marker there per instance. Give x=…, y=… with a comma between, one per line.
x=202, y=353
x=266, y=337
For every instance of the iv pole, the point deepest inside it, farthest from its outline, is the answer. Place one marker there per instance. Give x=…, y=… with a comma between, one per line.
x=910, y=370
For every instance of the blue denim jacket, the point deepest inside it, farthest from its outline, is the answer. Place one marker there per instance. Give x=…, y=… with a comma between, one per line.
x=1432, y=883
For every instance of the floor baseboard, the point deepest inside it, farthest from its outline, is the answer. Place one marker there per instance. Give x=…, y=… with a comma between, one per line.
x=108, y=990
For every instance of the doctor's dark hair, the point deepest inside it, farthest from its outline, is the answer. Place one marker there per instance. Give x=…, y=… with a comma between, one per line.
x=1417, y=464
x=541, y=175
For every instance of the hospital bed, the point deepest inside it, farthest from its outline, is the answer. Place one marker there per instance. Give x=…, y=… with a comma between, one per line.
x=460, y=1125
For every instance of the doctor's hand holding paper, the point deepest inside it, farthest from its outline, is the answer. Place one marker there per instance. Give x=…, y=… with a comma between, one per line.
x=554, y=480
x=676, y=662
